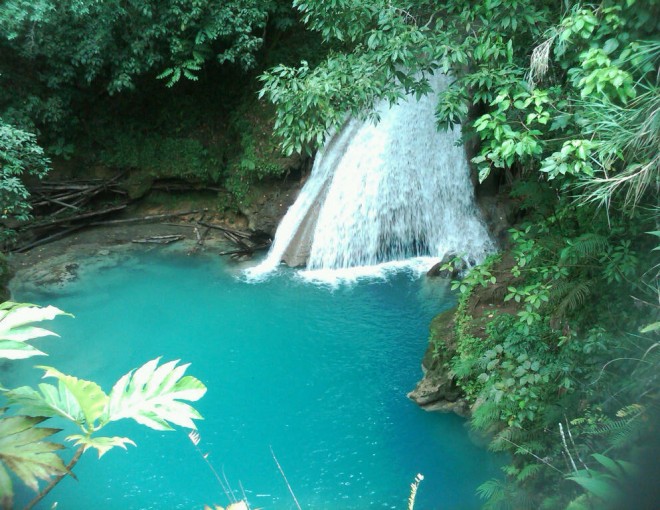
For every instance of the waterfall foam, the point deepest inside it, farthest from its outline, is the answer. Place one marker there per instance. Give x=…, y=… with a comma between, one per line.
x=383, y=192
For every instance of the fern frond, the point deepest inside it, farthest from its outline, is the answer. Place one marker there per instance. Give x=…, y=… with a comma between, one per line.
x=485, y=415
x=530, y=446
x=492, y=489
x=611, y=427
x=503, y=495
x=585, y=247
x=502, y=440
x=627, y=428
x=570, y=296
x=512, y=436
x=627, y=434
x=632, y=409
x=528, y=471
x=463, y=367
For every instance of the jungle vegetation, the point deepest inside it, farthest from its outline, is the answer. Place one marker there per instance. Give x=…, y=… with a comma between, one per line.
x=558, y=102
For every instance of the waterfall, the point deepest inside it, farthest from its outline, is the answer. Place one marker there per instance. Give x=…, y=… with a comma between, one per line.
x=384, y=192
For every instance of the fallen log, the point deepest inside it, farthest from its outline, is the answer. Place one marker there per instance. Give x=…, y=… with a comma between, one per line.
x=78, y=217
x=143, y=218
x=166, y=239
x=46, y=240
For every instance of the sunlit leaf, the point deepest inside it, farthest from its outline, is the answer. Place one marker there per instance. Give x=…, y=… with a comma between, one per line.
x=150, y=395
x=13, y=315
x=655, y=326
x=16, y=328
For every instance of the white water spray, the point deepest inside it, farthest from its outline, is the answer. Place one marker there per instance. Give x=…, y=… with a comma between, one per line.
x=383, y=192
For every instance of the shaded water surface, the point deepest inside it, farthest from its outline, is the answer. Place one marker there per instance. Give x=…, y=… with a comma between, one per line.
x=318, y=374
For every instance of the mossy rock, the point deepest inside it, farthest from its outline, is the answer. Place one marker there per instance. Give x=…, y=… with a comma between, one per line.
x=438, y=386
x=138, y=185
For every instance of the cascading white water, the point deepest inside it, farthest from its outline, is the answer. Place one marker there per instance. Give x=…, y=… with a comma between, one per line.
x=384, y=192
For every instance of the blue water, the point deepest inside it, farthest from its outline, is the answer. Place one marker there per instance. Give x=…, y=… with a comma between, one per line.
x=319, y=375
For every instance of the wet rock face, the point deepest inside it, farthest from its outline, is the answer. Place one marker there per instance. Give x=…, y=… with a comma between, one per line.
x=499, y=212
x=267, y=204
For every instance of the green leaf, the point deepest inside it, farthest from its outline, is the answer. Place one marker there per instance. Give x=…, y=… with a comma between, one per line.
x=150, y=395
x=23, y=452
x=484, y=172
x=598, y=486
x=51, y=401
x=610, y=45
x=101, y=444
x=618, y=468
x=655, y=326
x=89, y=395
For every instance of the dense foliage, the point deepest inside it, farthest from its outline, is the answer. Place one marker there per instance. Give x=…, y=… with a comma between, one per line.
x=141, y=86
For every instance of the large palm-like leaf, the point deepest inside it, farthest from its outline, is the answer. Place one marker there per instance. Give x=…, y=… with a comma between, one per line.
x=16, y=328
x=151, y=396
x=23, y=452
